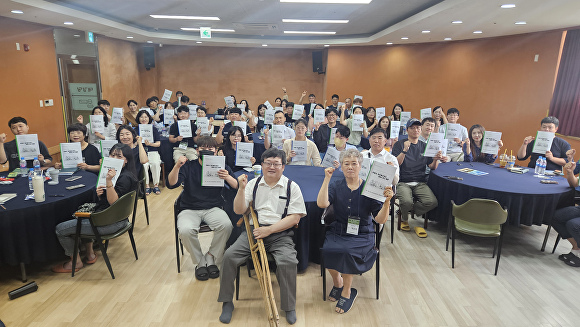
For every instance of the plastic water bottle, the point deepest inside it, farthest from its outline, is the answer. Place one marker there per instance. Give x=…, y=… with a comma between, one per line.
x=23, y=169
x=544, y=163
x=203, y=103
x=36, y=164
x=538, y=166
x=30, y=175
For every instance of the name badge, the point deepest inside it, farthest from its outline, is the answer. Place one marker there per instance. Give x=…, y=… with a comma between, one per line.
x=183, y=145
x=353, y=224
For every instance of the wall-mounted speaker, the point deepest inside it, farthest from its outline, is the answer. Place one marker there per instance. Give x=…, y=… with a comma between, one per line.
x=149, y=57
x=317, y=62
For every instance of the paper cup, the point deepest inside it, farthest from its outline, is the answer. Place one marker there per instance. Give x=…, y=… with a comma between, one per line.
x=257, y=170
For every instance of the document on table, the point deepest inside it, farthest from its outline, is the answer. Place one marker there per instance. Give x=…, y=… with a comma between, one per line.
x=203, y=125
x=168, y=116
x=244, y=151
x=300, y=148
x=365, y=167
x=490, y=142
x=166, y=95
x=269, y=116
x=27, y=146
x=146, y=132
x=332, y=155
x=106, y=164
x=380, y=177
x=297, y=112
x=452, y=131
x=117, y=116
x=357, y=121
x=71, y=154
x=277, y=132
x=242, y=124
x=434, y=144
x=405, y=117
x=209, y=170
x=380, y=113
x=97, y=124
x=106, y=146
x=319, y=116
x=395, y=129
x=543, y=142
x=184, y=127
x=425, y=113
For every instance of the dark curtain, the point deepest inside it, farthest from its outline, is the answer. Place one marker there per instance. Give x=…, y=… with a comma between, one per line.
x=565, y=104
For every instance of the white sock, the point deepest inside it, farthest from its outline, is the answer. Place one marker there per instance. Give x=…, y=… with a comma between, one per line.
x=209, y=259
x=575, y=252
x=202, y=262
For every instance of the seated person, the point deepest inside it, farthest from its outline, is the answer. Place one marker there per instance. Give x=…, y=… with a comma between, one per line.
x=322, y=131
x=567, y=221
x=289, y=133
x=311, y=118
x=260, y=119
x=377, y=152
x=334, y=99
x=152, y=150
x=174, y=104
x=126, y=183
x=371, y=118
x=202, y=112
x=96, y=137
x=312, y=155
x=439, y=117
x=346, y=254
x=385, y=124
x=130, y=116
x=126, y=135
x=341, y=141
x=9, y=150
x=268, y=194
x=289, y=122
x=472, y=146
x=308, y=107
x=202, y=204
x=556, y=157
x=235, y=114
x=428, y=125
x=235, y=135
x=396, y=113
x=186, y=145
x=355, y=136
x=152, y=105
x=412, y=165
x=455, y=146
x=77, y=132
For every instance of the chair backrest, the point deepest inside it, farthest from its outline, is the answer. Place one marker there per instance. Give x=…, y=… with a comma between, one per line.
x=177, y=205
x=480, y=211
x=121, y=209
x=328, y=215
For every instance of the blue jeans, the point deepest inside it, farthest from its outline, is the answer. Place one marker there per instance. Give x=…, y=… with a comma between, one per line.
x=66, y=231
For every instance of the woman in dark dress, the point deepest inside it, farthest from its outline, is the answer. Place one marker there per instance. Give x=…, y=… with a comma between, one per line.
x=107, y=195
x=127, y=135
x=347, y=253
x=235, y=135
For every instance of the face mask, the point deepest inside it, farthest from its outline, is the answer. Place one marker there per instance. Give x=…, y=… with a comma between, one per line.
x=338, y=142
x=206, y=153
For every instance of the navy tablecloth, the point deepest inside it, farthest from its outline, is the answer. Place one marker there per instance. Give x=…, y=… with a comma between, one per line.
x=27, y=228
x=528, y=201
x=307, y=235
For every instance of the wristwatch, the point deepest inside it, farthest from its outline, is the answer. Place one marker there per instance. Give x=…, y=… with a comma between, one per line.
x=404, y=152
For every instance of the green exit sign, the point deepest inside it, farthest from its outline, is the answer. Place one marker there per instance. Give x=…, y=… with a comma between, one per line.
x=90, y=37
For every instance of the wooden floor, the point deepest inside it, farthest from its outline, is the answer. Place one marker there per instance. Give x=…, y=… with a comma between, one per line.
x=418, y=286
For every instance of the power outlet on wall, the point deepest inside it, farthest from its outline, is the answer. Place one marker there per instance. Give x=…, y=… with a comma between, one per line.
x=41, y=103
x=48, y=103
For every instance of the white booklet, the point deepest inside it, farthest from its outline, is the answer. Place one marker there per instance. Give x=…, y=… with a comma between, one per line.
x=229, y=101
x=192, y=111
x=244, y=151
x=358, y=97
x=395, y=129
x=332, y=135
x=106, y=146
x=97, y=124
x=452, y=131
x=357, y=121
x=209, y=170
x=242, y=124
x=543, y=142
x=425, y=113
x=184, y=127
x=380, y=113
x=168, y=116
x=146, y=132
x=27, y=146
x=490, y=142
x=300, y=148
x=380, y=177
x=319, y=116
x=277, y=133
x=269, y=116
x=332, y=155
x=365, y=167
x=117, y=116
x=297, y=112
x=434, y=144
x=268, y=105
x=203, y=125
x=166, y=95
x=71, y=154
x=106, y=164
x=405, y=117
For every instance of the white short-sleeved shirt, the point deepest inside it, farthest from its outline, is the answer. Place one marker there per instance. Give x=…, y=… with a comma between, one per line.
x=384, y=156
x=288, y=134
x=271, y=201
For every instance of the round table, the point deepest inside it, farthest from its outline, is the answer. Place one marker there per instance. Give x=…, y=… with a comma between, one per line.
x=27, y=228
x=527, y=200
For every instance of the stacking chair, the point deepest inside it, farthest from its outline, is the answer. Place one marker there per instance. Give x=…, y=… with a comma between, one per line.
x=558, y=237
x=478, y=217
x=327, y=218
x=118, y=211
x=141, y=195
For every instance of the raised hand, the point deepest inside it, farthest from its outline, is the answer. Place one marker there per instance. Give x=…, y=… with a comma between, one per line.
x=528, y=139
x=2, y=138
x=328, y=172
x=181, y=161
x=110, y=174
x=242, y=181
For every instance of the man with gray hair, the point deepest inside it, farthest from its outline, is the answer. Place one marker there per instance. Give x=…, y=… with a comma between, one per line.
x=556, y=156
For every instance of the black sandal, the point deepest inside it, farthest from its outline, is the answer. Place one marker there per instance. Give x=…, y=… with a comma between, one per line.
x=213, y=271
x=334, y=294
x=574, y=261
x=566, y=256
x=346, y=304
x=201, y=273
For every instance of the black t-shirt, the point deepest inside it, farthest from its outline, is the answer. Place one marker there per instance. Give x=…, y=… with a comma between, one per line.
x=289, y=121
x=156, y=137
x=308, y=108
x=91, y=156
x=322, y=136
x=126, y=183
x=11, y=151
x=230, y=155
x=195, y=196
x=558, y=149
x=174, y=130
x=413, y=167
x=138, y=164
x=229, y=125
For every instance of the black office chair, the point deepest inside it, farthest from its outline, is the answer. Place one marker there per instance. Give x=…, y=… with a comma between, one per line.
x=141, y=195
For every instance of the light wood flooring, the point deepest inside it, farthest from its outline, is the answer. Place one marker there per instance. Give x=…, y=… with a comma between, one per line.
x=418, y=286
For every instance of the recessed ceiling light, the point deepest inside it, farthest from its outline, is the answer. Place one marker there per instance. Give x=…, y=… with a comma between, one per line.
x=213, y=29
x=73, y=56
x=404, y=38
x=198, y=42
x=425, y=31
x=389, y=43
x=17, y=12
x=76, y=62
x=264, y=45
x=456, y=22
x=185, y=17
x=447, y=39
x=477, y=32
x=320, y=21
x=327, y=45
x=520, y=23
x=307, y=32
x=508, y=6
x=77, y=35
x=129, y=37
x=330, y=1
x=68, y=23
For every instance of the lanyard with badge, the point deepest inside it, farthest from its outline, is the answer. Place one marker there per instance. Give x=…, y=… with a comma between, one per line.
x=353, y=222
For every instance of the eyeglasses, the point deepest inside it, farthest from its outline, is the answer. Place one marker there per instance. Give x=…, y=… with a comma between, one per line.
x=237, y=136
x=272, y=164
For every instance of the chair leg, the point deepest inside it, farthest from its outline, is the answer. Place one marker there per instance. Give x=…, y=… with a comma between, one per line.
x=323, y=280
x=106, y=245
x=499, y=249
x=453, y=248
x=399, y=220
x=132, y=243
x=449, y=224
x=378, y=273
x=146, y=206
x=426, y=221
x=76, y=248
x=23, y=272
x=556, y=243
x=495, y=247
x=392, y=228
x=546, y=238
x=248, y=263
x=105, y=256
x=238, y=283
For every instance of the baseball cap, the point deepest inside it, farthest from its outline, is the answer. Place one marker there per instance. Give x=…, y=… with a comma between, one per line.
x=413, y=121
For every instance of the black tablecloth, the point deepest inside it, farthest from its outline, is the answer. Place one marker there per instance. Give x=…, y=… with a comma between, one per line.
x=307, y=235
x=27, y=228
x=526, y=199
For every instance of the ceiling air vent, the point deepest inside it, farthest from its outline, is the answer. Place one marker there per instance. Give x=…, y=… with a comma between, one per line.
x=255, y=26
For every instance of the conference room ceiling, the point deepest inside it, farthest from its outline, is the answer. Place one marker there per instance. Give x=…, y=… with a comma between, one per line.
x=259, y=22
